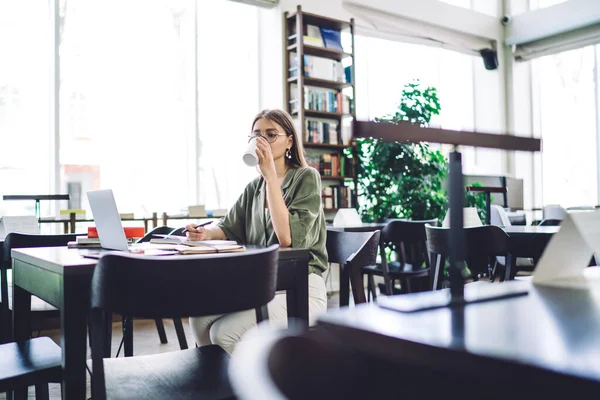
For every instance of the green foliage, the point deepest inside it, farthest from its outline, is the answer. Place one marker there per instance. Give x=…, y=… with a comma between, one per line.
x=477, y=199
x=403, y=180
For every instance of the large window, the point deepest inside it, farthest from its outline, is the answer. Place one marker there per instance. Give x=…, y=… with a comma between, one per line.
x=126, y=102
x=128, y=97
x=565, y=106
x=384, y=67
x=155, y=101
x=25, y=89
x=228, y=99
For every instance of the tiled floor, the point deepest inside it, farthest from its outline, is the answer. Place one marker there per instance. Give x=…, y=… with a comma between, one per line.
x=145, y=342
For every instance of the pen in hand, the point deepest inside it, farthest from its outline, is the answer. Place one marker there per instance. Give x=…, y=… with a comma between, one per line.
x=201, y=225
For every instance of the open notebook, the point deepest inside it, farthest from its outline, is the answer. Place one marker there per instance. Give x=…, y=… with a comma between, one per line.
x=171, y=239
x=206, y=249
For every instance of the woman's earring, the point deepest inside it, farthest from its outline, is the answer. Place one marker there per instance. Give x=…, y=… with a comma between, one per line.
x=288, y=153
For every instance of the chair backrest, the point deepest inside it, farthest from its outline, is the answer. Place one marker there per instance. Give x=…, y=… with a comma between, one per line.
x=20, y=241
x=482, y=245
x=498, y=216
x=550, y=222
x=159, y=230
x=341, y=245
x=554, y=212
x=23, y=240
x=366, y=254
x=410, y=240
x=181, y=286
x=275, y=365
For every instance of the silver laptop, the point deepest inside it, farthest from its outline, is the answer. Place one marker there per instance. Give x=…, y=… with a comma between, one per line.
x=107, y=220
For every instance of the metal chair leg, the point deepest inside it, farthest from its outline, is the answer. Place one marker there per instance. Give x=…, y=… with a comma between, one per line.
x=160, y=327
x=180, y=333
x=41, y=392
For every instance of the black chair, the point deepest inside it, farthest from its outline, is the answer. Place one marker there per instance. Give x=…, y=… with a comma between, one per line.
x=175, y=287
x=410, y=241
x=352, y=251
x=160, y=327
x=550, y=222
x=34, y=362
x=40, y=309
x=319, y=365
x=483, y=244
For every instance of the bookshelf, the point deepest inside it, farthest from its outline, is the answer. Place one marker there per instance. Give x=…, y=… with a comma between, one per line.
x=320, y=96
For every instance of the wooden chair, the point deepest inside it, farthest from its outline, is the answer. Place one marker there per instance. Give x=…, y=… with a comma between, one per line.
x=34, y=362
x=177, y=323
x=411, y=245
x=175, y=287
x=40, y=309
x=352, y=251
x=483, y=244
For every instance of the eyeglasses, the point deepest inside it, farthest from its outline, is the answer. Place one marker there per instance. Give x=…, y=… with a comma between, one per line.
x=270, y=136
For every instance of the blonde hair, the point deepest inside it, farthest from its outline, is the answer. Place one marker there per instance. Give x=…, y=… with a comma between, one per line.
x=283, y=119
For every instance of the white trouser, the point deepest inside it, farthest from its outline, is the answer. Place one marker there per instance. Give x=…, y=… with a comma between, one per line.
x=227, y=330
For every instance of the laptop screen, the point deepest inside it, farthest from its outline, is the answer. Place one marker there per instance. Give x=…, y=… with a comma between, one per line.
x=107, y=219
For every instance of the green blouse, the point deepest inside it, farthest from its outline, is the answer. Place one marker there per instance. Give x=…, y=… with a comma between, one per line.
x=249, y=222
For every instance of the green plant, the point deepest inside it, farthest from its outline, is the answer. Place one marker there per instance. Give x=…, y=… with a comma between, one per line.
x=477, y=199
x=400, y=179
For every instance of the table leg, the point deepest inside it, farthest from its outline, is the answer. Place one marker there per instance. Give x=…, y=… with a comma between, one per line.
x=73, y=320
x=21, y=313
x=358, y=287
x=488, y=208
x=301, y=294
x=128, y=336
x=344, y=286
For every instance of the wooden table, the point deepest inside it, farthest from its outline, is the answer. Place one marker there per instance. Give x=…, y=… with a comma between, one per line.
x=525, y=241
x=521, y=236
x=528, y=241
x=531, y=345
x=62, y=277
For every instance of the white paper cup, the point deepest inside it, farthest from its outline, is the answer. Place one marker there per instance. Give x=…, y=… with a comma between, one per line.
x=250, y=158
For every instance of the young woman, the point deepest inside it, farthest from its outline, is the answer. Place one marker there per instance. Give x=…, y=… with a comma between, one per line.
x=282, y=205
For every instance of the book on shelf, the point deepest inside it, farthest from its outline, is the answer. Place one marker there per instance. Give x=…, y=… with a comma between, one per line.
x=319, y=67
x=332, y=38
x=320, y=99
x=322, y=131
x=324, y=68
x=325, y=131
x=313, y=36
x=334, y=165
x=337, y=196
